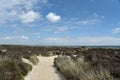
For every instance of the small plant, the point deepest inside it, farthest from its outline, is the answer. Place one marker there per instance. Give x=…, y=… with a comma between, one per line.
x=33, y=59
x=24, y=68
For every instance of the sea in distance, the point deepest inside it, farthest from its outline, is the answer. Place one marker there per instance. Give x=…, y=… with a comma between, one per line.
x=74, y=46
x=98, y=46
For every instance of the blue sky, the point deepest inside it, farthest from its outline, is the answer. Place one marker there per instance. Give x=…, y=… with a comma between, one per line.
x=60, y=22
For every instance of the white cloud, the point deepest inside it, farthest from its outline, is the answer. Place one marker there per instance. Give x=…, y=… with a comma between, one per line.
x=116, y=30
x=12, y=9
x=12, y=3
x=92, y=20
x=52, y=17
x=62, y=29
x=29, y=17
x=58, y=29
x=24, y=37
x=106, y=40
x=8, y=38
x=80, y=40
x=89, y=22
x=16, y=38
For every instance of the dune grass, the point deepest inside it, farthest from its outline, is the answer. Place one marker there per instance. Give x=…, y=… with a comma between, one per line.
x=78, y=69
x=32, y=58
x=9, y=70
x=12, y=68
x=24, y=68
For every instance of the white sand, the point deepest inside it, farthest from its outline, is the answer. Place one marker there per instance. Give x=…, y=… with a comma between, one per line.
x=44, y=70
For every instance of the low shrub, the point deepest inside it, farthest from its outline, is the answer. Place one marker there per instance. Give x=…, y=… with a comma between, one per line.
x=48, y=54
x=78, y=69
x=24, y=68
x=32, y=58
x=9, y=70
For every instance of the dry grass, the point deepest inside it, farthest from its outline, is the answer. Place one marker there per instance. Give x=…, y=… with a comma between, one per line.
x=9, y=70
x=78, y=69
x=12, y=68
x=33, y=59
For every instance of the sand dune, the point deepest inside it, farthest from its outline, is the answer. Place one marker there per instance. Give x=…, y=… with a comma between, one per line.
x=44, y=70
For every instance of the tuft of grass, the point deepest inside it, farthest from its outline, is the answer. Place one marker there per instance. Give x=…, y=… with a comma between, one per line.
x=9, y=70
x=24, y=68
x=96, y=74
x=33, y=59
x=78, y=69
x=12, y=68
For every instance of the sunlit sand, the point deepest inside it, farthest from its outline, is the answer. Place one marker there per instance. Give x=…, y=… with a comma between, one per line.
x=44, y=70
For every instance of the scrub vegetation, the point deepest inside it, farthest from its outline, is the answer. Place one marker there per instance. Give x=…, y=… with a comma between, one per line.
x=75, y=63
x=78, y=69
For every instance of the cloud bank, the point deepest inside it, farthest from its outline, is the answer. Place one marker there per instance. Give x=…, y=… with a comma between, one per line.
x=23, y=10
x=107, y=40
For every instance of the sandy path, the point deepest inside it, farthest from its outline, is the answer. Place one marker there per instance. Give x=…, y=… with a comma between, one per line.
x=44, y=70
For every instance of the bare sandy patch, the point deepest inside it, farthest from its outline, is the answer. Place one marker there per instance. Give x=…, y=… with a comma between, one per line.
x=44, y=70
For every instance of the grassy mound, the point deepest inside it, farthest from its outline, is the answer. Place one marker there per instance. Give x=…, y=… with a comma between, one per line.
x=24, y=68
x=32, y=58
x=78, y=69
x=9, y=70
x=12, y=68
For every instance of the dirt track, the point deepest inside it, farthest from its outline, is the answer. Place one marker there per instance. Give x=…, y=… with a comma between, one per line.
x=44, y=70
